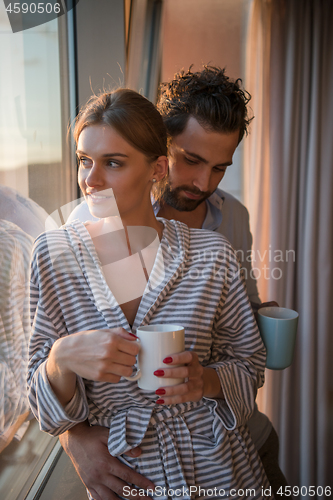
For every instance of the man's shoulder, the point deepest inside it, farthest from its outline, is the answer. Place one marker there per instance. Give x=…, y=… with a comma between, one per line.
x=235, y=221
x=230, y=202
x=234, y=214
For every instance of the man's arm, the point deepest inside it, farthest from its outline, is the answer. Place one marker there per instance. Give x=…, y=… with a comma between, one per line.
x=103, y=475
x=235, y=227
x=256, y=307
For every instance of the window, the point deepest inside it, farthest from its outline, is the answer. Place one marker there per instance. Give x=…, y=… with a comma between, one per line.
x=37, y=176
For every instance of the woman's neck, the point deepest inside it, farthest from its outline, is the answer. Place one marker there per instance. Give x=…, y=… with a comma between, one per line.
x=110, y=232
x=145, y=227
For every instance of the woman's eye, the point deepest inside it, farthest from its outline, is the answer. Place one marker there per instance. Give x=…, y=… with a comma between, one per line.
x=112, y=164
x=84, y=162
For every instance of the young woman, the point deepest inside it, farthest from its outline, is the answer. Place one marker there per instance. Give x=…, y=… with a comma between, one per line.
x=93, y=285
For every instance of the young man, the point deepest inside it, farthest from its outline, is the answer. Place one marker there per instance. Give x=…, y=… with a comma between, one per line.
x=206, y=117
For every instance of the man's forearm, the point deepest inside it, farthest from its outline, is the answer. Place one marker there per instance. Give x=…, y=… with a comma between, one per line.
x=77, y=430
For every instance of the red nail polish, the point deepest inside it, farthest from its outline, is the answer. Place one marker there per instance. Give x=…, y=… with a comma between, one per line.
x=159, y=373
x=159, y=392
x=167, y=360
x=133, y=335
x=160, y=401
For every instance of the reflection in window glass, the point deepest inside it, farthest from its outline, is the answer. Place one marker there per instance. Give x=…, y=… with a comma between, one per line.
x=37, y=176
x=30, y=103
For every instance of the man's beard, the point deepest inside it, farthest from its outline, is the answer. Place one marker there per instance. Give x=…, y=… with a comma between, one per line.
x=164, y=194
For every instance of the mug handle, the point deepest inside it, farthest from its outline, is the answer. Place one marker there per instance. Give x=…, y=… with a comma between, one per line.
x=135, y=377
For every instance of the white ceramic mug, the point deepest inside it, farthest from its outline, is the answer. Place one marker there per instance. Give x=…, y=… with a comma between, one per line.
x=156, y=343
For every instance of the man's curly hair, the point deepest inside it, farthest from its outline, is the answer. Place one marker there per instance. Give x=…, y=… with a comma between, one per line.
x=216, y=101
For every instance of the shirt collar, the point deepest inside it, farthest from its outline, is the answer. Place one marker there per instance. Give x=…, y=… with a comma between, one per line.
x=213, y=217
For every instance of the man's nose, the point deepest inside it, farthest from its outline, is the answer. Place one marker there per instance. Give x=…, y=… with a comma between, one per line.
x=202, y=180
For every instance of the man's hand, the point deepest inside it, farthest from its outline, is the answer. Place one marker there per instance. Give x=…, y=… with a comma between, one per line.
x=103, y=475
x=256, y=307
x=268, y=304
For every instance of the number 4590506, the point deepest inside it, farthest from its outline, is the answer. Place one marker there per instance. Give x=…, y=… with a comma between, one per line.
x=33, y=8
x=303, y=491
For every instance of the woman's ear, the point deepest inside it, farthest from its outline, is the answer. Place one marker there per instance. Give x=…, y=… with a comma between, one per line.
x=160, y=168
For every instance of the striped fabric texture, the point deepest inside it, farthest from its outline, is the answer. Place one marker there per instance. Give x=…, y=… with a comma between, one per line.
x=195, y=282
x=15, y=252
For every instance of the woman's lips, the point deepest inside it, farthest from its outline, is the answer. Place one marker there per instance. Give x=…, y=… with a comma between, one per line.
x=99, y=197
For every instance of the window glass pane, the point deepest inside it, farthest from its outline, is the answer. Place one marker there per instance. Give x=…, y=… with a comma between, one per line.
x=37, y=177
x=32, y=135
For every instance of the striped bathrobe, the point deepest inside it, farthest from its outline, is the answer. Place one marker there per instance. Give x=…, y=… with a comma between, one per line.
x=195, y=282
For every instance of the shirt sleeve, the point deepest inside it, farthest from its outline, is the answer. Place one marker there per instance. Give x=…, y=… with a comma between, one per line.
x=235, y=227
x=51, y=415
x=238, y=353
x=247, y=262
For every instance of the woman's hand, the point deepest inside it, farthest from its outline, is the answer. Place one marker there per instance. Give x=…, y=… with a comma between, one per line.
x=100, y=355
x=199, y=381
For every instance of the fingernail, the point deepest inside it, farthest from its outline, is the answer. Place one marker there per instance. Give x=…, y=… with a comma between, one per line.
x=160, y=401
x=167, y=360
x=160, y=392
x=133, y=335
x=159, y=373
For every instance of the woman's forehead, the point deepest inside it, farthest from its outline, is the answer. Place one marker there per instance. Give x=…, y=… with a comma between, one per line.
x=102, y=139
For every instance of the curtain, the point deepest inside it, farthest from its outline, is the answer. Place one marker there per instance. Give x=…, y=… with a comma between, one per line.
x=288, y=189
